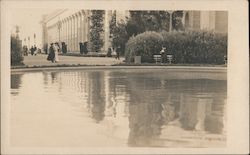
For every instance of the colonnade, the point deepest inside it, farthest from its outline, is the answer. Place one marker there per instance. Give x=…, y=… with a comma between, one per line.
x=72, y=30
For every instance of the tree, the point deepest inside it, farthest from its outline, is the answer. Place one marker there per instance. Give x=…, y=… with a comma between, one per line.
x=16, y=51
x=141, y=21
x=118, y=33
x=96, y=29
x=177, y=20
x=16, y=48
x=120, y=36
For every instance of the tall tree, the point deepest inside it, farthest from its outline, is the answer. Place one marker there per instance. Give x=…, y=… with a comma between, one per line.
x=96, y=29
x=141, y=21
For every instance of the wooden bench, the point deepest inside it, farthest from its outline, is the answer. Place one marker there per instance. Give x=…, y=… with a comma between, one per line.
x=157, y=58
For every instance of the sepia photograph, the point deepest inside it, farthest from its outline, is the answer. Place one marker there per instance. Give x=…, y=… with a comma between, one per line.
x=87, y=76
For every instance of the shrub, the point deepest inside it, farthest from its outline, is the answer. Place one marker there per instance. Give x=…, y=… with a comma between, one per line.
x=16, y=51
x=195, y=46
x=145, y=45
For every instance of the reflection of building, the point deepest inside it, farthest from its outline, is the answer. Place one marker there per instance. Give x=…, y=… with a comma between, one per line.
x=73, y=26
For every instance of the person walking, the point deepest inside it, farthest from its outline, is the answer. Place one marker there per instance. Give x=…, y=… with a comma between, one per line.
x=51, y=56
x=56, y=50
x=35, y=50
x=32, y=50
x=118, y=52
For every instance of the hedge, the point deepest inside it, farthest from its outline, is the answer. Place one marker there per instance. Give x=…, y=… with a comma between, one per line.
x=204, y=47
x=145, y=45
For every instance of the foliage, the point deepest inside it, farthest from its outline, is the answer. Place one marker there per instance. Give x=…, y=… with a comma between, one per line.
x=195, y=46
x=109, y=54
x=16, y=51
x=141, y=21
x=145, y=45
x=120, y=37
x=96, y=29
x=112, y=23
x=177, y=20
x=203, y=47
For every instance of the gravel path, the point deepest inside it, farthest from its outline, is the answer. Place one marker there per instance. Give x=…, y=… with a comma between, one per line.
x=41, y=60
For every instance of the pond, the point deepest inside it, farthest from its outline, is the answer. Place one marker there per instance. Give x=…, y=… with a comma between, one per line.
x=119, y=108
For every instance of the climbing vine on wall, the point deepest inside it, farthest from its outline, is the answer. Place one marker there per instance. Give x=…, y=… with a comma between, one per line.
x=96, y=29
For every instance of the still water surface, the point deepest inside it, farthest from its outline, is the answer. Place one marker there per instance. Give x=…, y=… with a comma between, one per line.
x=118, y=108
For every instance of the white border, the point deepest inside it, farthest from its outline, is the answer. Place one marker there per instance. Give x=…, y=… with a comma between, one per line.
x=238, y=71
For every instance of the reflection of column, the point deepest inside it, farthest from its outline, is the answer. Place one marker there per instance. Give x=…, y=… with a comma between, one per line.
x=214, y=120
x=202, y=109
x=188, y=111
x=145, y=115
x=97, y=98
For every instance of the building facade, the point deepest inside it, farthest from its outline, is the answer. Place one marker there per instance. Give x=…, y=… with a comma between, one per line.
x=216, y=21
x=73, y=26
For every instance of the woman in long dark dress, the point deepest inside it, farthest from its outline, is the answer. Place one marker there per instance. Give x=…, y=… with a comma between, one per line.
x=51, y=56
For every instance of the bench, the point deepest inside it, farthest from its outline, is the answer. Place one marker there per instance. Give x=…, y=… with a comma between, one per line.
x=170, y=58
x=157, y=58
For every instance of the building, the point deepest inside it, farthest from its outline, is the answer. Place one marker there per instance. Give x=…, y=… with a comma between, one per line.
x=73, y=26
x=206, y=20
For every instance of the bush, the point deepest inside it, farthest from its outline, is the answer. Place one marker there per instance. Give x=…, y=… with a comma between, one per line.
x=16, y=51
x=203, y=47
x=145, y=45
x=195, y=47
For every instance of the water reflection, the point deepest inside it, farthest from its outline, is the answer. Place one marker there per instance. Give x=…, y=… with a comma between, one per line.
x=148, y=102
x=16, y=81
x=97, y=96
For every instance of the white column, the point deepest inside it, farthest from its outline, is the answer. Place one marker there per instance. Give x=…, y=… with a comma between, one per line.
x=71, y=34
x=82, y=27
x=63, y=33
x=74, y=32
x=77, y=32
x=67, y=34
x=87, y=24
x=106, y=30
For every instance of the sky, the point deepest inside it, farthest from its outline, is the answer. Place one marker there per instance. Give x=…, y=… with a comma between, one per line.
x=28, y=21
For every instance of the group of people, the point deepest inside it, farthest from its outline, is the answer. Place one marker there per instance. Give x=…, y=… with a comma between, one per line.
x=54, y=49
x=33, y=50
